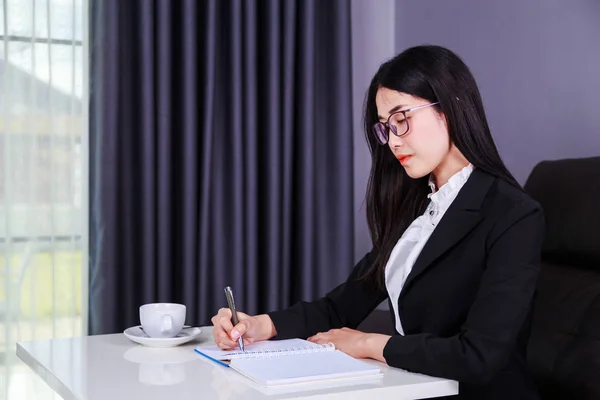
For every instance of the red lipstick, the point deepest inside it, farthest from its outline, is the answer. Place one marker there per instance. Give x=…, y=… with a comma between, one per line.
x=403, y=158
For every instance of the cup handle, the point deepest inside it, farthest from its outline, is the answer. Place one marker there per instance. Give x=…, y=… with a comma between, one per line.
x=166, y=323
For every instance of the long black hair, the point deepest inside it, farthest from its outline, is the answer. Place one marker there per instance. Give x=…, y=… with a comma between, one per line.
x=394, y=199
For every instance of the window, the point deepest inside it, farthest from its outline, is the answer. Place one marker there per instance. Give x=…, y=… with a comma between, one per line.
x=43, y=128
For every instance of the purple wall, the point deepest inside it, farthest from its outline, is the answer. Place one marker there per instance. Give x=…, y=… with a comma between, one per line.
x=372, y=44
x=537, y=64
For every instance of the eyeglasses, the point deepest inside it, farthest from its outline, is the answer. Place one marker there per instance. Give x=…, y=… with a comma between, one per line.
x=397, y=123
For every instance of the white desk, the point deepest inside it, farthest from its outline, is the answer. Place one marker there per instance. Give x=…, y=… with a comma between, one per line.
x=113, y=367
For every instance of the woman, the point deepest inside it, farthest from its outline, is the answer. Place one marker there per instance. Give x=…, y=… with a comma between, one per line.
x=456, y=241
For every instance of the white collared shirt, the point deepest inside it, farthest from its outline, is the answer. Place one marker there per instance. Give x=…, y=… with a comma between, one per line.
x=413, y=240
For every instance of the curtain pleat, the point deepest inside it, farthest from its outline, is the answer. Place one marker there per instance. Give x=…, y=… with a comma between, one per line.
x=226, y=143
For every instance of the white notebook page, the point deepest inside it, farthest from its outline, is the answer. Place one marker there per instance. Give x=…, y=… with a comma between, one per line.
x=300, y=368
x=264, y=348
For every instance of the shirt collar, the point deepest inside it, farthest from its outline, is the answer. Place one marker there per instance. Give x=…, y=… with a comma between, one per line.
x=456, y=181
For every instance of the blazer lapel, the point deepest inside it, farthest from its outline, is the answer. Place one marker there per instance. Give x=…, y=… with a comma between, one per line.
x=462, y=216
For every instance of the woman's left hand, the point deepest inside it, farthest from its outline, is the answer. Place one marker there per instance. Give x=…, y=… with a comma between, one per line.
x=354, y=343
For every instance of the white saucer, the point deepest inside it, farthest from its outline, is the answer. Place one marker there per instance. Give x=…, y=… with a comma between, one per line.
x=136, y=334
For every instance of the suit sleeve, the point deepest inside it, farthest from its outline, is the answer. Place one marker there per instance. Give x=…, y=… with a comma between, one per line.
x=345, y=306
x=497, y=315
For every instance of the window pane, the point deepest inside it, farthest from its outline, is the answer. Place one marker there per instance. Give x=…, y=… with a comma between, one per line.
x=40, y=138
x=62, y=62
x=21, y=14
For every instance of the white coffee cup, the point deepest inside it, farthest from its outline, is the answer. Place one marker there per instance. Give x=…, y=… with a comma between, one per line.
x=162, y=320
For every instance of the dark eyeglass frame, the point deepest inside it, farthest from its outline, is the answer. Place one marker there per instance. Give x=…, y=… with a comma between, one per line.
x=383, y=129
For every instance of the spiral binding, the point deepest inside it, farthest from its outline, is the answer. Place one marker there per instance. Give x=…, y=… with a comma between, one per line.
x=285, y=352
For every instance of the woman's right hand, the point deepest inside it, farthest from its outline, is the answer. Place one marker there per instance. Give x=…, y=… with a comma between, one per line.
x=253, y=328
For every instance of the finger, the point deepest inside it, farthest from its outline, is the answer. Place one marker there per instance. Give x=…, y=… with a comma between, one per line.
x=225, y=345
x=239, y=329
x=218, y=321
x=221, y=343
x=242, y=316
x=224, y=339
x=318, y=337
x=226, y=324
x=320, y=340
x=228, y=345
x=217, y=329
x=215, y=322
x=224, y=313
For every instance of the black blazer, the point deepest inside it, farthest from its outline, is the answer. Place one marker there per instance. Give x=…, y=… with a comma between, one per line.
x=466, y=305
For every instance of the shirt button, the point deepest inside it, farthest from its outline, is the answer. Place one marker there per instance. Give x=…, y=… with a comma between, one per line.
x=431, y=212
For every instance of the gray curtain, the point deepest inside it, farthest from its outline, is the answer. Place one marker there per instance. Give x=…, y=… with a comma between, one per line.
x=221, y=154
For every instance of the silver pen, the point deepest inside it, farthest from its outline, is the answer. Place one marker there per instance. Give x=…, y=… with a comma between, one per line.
x=234, y=317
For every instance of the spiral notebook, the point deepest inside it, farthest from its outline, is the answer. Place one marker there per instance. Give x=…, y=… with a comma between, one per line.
x=292, y=361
